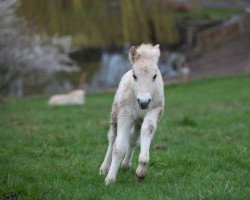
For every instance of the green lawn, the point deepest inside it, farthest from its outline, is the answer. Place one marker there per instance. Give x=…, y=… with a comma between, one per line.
x=200, y=150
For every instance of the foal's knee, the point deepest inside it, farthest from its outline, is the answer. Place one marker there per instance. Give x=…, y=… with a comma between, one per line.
x=149, y=128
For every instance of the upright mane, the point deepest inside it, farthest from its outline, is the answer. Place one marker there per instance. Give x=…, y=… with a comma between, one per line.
x=148, y=51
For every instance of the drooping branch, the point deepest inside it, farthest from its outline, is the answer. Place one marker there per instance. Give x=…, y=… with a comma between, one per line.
x=23, y=54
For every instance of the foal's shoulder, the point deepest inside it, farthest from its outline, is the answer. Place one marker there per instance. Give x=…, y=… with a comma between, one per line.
x=125, y=81
x=127, y=76
x=124, y=87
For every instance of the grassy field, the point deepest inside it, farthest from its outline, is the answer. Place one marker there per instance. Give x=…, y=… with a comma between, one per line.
x=200, y=150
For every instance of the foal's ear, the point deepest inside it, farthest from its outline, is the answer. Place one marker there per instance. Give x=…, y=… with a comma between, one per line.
x=156, y=52
x=157, y=46
x=133, y=55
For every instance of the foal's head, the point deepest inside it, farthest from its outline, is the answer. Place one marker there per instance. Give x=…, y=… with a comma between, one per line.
x=145, y=72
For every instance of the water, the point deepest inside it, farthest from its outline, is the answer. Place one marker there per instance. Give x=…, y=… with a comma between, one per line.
x=104, y=71
x=114, y=65
x=112, y=68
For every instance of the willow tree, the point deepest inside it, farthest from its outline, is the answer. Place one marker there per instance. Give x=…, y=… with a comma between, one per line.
x=89, y=22
x=134, y=23
x=102, y=22
x=24, y=57
x=163, y=25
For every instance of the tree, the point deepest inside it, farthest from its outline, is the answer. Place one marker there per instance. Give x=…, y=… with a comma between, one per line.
x=163, y=24
x=134, y=22
x=24, y=55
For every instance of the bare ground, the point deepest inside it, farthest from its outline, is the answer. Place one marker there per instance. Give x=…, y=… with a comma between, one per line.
x=231, y=58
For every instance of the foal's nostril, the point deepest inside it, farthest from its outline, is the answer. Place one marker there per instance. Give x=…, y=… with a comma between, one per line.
x=144, y=103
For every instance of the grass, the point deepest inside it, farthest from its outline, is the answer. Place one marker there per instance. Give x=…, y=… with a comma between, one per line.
x=200, y=150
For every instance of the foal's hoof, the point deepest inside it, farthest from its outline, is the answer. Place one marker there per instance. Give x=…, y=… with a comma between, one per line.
x=140, y=178
x=126, y=166
x=108, y=181
x=103, y=170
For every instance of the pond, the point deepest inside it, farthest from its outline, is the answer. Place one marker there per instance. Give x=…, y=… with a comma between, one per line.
x=95, y=26
x=108, y=67
x=102, y=71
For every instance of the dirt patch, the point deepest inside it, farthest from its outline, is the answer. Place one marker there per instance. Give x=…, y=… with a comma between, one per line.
x=231, y=58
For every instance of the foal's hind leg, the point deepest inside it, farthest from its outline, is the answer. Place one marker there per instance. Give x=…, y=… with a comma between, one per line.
x=135, y=133
x=108, y=158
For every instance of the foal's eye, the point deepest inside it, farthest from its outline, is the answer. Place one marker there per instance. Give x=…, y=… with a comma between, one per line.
x=135, y=77
x=154, y=77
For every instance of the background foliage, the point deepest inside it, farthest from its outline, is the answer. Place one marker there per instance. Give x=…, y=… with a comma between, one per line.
x=98, y=23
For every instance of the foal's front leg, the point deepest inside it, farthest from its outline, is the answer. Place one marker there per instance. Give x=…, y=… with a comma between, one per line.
x=120, y=147
x=133, y=139
x=147, y=132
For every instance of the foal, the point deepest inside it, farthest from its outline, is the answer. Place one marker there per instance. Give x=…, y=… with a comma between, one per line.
x=137, y=107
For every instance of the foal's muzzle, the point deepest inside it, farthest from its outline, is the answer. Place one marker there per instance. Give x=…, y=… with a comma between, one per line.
x=143, y=104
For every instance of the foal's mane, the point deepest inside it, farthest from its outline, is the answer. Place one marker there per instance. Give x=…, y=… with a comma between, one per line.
x=148, y=51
